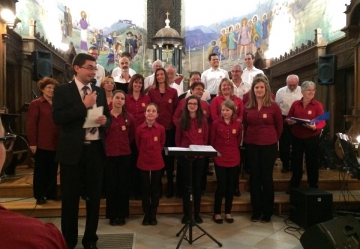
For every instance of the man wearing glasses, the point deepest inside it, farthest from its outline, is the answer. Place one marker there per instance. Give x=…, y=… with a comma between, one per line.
x=240, y=87
x=38, y=234
x=250, y=71
x=100, y=73
x=81, y=151
x=285, y=96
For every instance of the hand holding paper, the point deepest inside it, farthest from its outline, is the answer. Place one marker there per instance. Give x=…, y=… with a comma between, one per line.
x=94, y=117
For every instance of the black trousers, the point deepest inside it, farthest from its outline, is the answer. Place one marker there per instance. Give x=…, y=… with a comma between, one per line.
x=261, y=159
x=45, y=174
x=117, y=171
x=309, y=146
x=169, y=160
x=150, y=195
x=195, y=170
x=205, y=172
x=135, y=186
x=285, y=146
x=225, y=177
x=85, y=176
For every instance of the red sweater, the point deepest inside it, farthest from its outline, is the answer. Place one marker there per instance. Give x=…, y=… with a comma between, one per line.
x=119, y=135
x=41, y=130
x=226, y=139
x=18, y=231
x=150, y=142
x=137, y=107
x=194, y=135
x=204, y=106
x=215, y=109
x=312, y=110
x=167, y=104
x=263, y=127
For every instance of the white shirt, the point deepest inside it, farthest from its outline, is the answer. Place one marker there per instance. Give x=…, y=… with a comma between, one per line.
x=100, y=74
x=206, y=95
x=285, y=98
x=148, y=81
x=177, y=87
x=248, y=75
x=117, y=72
x=211, y=78
x=79, y=85
x=243, y=88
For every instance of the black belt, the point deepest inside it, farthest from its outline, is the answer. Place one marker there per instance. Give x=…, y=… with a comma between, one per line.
x=89, y=142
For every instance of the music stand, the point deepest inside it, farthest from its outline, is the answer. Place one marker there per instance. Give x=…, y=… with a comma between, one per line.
x=349, y=159
x=191, y=156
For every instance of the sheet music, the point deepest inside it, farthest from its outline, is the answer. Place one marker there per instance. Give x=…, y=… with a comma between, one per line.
x=207, y=148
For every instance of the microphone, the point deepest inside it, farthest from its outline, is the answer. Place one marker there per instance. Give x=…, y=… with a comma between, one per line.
x=93, y=81
x=34, y=94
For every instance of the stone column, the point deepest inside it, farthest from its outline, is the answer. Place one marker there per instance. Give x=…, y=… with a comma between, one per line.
x=160, y=52
x=154, y=53
x=180, y=59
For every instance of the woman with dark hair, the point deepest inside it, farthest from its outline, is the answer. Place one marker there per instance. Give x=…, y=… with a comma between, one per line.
x=262, y=129
x=43, y=137
x=225, y=137
x=117, y=169
x=192, y=129
x=226, y=92
x=166, y=98
x=305, y=137
x=136, y=101
x=109, y=85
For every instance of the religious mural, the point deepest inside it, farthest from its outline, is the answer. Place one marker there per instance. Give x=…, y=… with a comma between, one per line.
x=229, y=28
x=83, y=24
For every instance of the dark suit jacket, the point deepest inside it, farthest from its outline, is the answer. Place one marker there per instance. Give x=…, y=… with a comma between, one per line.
x=69, y=113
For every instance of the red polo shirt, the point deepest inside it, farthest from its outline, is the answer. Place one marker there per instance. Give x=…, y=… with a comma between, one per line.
x=247, y=96
x=264, y=126
x=312, y=110
x=137, y=107
x=215, y=109
x=226, y=139
x=40, y=128
x=179, y=109
x=194, y=135
x=150, y=142
x=119, y=135
x=167, y=103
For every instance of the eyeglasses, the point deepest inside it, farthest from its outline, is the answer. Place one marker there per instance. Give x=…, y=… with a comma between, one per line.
x=8, y=141
x=194, y=104
x=236, y=71
x=90, y=68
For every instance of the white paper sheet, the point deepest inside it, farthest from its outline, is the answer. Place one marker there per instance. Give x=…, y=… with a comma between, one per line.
x=92, y=115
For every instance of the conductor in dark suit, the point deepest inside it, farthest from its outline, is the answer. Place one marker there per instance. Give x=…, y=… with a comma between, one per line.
x=81, y=151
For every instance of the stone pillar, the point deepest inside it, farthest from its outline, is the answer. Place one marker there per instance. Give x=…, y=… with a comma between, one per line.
x=176, y=56
x=180, y=59
x=160, y=52
x=154, y=53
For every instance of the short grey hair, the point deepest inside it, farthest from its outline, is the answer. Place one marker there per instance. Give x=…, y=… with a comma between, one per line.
x=172, y=66
x=238, y=66
x=306, y=84
x=292, y=76
x=157, y=61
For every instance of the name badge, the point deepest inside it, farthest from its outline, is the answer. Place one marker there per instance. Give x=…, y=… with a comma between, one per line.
x=200, y=130
x=170, y=101
x=309, y=112
x=123, y=128
x=156, y=139
x=143, y=104
x=264, y=115
x=234, y=131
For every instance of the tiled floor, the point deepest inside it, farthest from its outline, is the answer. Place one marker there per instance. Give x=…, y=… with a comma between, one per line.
x=242, y=234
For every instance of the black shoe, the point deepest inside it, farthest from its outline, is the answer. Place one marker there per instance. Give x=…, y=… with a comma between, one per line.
x=91, y=246
x=121, y=221
x=198, y=219
x=185, y=219
x=284, y=170
x=114, y=222
x=54, y=198
x=153, y=222
x=229, y=220
x=145, y=221
x=40, y=201
x=237, y=193
x=255, y=217
x=218, y=221
x=265, y=219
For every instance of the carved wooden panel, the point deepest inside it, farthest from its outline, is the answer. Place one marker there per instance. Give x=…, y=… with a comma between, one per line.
x=156, y=16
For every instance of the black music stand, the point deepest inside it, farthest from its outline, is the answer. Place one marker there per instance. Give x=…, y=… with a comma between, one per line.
x=191, y=156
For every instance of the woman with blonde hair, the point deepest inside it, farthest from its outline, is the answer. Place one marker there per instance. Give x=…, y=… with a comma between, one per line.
x=263, y=126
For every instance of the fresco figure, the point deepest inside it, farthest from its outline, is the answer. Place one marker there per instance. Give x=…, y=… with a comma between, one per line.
x=254, y=36
x=223, y=43
x=232, y=42
x=83, y=34
x=99, y=40
x=257, y=27
x=69, y=23
x=244, y=37
x=265, y=30
x=66, y=20
x=129, y=43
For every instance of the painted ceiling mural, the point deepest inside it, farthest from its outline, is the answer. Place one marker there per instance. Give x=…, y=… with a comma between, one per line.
x=230, y=28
